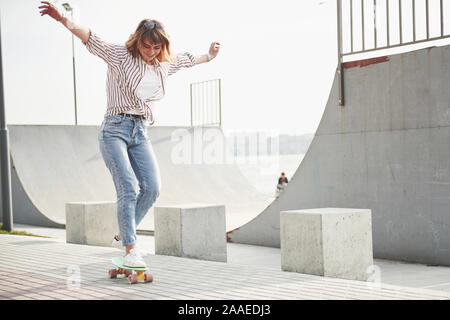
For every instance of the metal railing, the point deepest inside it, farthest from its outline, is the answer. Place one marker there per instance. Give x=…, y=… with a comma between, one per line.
x=206, y=103
x=385, y=11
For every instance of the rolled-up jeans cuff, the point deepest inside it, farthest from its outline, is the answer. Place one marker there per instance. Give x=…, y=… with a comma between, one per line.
x=128, y=244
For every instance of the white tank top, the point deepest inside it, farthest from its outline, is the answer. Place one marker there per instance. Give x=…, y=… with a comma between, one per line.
x=147, y=87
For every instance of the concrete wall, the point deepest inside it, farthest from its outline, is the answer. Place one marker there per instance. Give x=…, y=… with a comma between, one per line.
x=387, y=150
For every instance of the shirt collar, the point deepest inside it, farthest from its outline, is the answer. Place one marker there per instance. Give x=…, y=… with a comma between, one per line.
x=156, y=63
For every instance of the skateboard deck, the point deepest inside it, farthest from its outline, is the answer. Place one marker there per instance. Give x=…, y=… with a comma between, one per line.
x=133, y=274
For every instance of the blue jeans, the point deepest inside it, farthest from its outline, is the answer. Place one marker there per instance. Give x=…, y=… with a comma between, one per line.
x=129, y=155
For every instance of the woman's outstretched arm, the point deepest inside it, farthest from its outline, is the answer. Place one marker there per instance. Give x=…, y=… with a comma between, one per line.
x=109, y=52
x=79, y=31
x=187, y=60
x=213, y=52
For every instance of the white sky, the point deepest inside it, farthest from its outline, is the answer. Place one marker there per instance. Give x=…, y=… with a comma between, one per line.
x=277, y=60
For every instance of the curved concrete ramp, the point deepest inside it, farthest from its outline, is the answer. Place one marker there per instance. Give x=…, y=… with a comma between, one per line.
x=53, y=165
x=387, y=149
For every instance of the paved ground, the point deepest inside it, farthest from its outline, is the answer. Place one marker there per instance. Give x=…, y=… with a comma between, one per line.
x=39, y=268
x=389, y=272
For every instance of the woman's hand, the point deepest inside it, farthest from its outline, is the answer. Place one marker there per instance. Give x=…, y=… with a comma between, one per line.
x=50, y=9
x=79, y=31
x=214, y=49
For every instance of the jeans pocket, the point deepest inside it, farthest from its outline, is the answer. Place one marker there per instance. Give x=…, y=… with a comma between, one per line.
x=114, y=120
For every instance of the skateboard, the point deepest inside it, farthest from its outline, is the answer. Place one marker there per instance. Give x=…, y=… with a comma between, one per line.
x=133, y=274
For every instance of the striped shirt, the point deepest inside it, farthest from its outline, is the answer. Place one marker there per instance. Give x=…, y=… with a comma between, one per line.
x=126, y=72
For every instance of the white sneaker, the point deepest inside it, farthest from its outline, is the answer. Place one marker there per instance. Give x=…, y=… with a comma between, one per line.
x=134, y=259
x=116, y=242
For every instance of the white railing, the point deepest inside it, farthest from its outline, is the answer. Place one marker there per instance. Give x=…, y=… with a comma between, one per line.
x=206, y=103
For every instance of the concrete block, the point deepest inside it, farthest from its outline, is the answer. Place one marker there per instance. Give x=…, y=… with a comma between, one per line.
x=193, y=231
x=91, y=223
x=330, y=242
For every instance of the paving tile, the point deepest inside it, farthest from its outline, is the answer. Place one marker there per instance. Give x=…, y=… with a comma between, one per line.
x=53, y=294
x=175, y=278
x=21, y=298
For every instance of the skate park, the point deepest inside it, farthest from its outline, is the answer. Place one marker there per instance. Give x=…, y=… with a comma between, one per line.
x=384, y=149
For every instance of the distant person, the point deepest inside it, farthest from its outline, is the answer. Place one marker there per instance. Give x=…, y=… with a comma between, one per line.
x=282, y=183
x=136, y=77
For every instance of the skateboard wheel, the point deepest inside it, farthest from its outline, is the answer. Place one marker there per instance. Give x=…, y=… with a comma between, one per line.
x=133, y=278
x=112, y=273
x=148, y=277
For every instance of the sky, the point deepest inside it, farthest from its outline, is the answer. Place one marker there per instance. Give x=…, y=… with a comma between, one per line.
x=277, y=60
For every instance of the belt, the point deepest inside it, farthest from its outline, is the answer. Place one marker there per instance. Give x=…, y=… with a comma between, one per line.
x=136, y=116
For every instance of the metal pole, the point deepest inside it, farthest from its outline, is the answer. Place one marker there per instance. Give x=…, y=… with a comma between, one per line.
x=351, y=25
x=387, y=23
x=220, y=102
x=340, y=69
x=414, y=20
x=192, y=119
x=5, y=160
x=400, y=21
x=442, y=19
x=74, y=77
x=428, y=19
x=362, y=23
x=375, y=22
x=208, y=106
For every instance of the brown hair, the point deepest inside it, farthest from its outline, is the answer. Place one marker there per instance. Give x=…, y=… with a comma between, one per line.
x=154, y=35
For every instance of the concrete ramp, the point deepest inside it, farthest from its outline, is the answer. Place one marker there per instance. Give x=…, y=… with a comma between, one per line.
x=387, y=149
x=53, y=165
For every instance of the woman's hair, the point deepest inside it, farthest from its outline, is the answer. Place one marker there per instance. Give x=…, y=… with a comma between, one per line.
x=153, y=31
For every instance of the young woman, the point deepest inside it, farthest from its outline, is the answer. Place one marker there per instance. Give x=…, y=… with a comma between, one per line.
x=136, y=77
